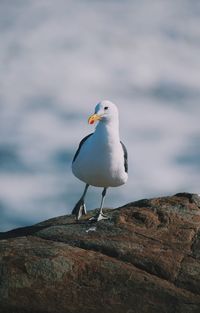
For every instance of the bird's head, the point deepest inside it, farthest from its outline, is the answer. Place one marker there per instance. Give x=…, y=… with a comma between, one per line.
x=105, y=111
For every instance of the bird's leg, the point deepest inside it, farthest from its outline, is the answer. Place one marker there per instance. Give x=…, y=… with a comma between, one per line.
x=100, y=215
x=80, y=208
x=102, y=202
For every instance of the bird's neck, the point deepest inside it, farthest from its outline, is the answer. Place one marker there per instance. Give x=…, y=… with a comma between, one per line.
x=108, y=131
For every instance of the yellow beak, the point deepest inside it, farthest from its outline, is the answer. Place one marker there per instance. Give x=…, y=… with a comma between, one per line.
x=93, y=118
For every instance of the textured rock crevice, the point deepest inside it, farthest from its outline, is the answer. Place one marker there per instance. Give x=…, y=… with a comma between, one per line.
x=144, y=259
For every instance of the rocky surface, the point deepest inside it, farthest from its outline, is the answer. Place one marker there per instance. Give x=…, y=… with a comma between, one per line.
x=145, y=259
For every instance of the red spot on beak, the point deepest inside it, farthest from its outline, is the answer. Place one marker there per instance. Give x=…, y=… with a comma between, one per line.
x=93, y=118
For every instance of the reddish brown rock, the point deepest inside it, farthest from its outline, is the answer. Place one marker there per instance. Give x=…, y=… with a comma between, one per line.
x=144, y=259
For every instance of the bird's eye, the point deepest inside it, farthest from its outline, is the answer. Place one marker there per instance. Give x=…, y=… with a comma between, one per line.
x=105, y=108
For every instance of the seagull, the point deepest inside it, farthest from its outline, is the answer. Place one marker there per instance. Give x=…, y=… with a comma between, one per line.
x=101, y=159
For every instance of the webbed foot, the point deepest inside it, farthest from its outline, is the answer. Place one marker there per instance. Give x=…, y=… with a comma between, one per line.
x=79, y=209
x=100, y=216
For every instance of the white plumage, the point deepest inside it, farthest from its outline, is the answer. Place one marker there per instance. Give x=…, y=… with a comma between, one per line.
x=101, y=159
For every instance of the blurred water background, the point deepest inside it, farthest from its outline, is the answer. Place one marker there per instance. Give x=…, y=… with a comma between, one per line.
x=58, y=59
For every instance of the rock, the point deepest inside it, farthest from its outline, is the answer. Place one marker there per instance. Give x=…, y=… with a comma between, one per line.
x=145, y=259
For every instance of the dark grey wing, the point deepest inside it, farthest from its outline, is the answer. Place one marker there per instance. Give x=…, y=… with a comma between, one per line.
x=80, y=145
x=125, y=157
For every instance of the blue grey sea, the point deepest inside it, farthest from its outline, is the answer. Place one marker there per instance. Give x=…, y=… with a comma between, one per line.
x=57, y=60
